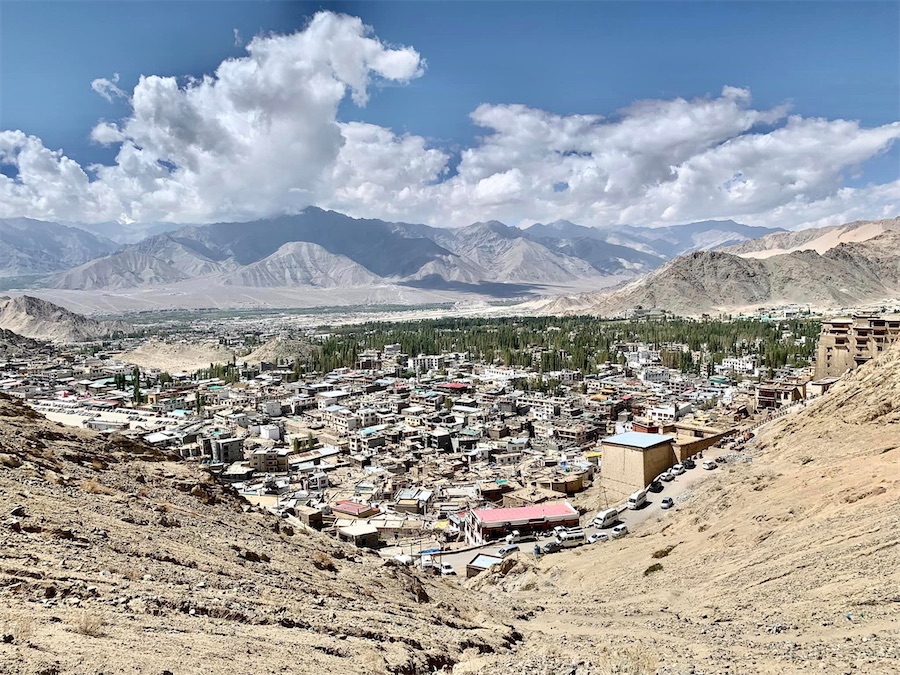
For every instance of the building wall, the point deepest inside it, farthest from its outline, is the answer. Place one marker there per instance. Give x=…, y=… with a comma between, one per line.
x=845, y=343
x=625, y=469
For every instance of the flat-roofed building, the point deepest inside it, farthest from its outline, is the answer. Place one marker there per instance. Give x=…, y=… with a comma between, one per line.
x=482, y=525
x=632, y=460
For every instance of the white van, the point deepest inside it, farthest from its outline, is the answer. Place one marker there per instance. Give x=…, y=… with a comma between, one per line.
x=570, y=539
x=606, y=518
x=637, y=500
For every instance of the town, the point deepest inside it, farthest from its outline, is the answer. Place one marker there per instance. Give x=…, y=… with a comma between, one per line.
x=450, y=436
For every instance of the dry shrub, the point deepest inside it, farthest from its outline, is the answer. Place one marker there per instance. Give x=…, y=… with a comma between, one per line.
x=94, y=487
x=632, y=661
x=663, y=552
x=21, y=628
x=90, y=623
x=143, y=491
x=323, y=561
x=655, y=567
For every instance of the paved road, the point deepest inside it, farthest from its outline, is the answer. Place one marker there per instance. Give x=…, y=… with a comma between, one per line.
x=677, y=489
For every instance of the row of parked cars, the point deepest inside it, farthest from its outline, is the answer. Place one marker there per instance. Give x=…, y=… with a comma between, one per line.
x=564, y=537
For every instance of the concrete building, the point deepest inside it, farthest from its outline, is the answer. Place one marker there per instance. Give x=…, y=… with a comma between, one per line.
x=631, y=460
x=845, y=344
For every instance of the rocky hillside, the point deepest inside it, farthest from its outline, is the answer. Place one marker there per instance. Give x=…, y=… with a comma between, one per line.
x=300, y=263
x=116, y=558
x=279, y=350
x=36, y=318
x=819, y=240
x=713, y=281
x=784, y=564
x=13, y=345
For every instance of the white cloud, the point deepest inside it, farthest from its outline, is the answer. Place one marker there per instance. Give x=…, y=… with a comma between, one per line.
x=260, y=137
x=108, y=88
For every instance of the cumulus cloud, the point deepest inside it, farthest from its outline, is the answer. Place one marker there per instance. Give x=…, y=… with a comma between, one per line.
x=260, y=136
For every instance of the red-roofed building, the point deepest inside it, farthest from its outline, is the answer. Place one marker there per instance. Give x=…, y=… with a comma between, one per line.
x=453, y=387
x=482, y=525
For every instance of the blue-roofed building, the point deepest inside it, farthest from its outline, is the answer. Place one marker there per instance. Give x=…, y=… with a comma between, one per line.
x=632, y=460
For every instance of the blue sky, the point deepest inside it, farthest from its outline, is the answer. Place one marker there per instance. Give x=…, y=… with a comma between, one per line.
x=830, y=60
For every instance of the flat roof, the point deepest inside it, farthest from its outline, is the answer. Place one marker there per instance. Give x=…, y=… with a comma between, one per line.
x=483, y=561
x=524, y=514
x=637, y=439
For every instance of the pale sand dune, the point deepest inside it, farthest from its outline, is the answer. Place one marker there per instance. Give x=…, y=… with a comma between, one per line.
x=829, y=239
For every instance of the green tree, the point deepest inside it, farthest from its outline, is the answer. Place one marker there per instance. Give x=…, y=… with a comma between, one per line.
x=136, y=384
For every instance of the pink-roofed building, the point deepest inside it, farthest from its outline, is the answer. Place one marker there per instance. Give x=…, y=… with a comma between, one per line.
x=347, y=507
x=482, y=525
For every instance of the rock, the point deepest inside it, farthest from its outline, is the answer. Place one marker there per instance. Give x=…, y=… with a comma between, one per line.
x=18, y=511
x=14, y=524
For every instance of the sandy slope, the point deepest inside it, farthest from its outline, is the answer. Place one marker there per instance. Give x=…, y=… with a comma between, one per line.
x=176, y=357
x=819, y=241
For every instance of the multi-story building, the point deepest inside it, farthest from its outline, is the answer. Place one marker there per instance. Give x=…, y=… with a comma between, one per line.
x=845, y=344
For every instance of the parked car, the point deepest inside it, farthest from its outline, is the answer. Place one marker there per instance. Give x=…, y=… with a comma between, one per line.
x=447, y=570
x=678, y=469
x=721, y=459
x=598, y=536
x=667, y=476
x=667, y=503
x=709, y=465
x=655, y=486
x=551, y=546
x=507, y=550
x=515, y=537
x=689, y=463
x=619, y=531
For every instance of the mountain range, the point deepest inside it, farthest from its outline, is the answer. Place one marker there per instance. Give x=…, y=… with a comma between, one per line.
x=858, y=263
x=326, y=249
x=30, y=247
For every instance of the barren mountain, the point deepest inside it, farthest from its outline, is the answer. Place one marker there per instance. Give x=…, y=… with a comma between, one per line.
x=508, y=256
x=786, y=564
x=664, y=242
x=36, y=318
x=301, y=263
x=819, y=240
x=30, y=247
x=156, y=261
x=712, y=281
x=116, y=558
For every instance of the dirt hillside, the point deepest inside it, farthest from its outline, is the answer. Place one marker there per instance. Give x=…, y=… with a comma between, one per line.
x=177, y=356
x=116, y=560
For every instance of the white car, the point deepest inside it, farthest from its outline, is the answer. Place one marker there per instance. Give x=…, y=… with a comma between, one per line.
x=709, y=465
x=619, y=531
x=678, y=469
x=598, y=536
x=668, y=476
x=667, y=503
x=447, y=570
